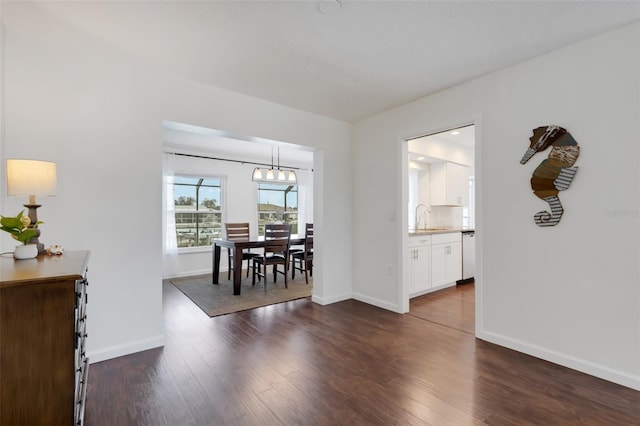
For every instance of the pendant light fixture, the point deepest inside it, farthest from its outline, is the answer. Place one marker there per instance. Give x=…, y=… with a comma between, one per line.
x=274, y=175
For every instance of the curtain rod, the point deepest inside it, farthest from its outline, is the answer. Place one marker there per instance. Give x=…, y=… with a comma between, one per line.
x=233, y=161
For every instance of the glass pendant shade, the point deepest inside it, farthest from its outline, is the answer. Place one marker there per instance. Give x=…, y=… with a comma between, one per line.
x=274, y=174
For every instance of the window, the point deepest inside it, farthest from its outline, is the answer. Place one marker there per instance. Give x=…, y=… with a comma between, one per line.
x=198, y=207
x=277, y=203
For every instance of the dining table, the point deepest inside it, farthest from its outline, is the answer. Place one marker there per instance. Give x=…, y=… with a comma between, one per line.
x=237, y=247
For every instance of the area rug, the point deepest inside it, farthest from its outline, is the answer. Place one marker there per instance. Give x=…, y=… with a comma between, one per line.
x=218, y=299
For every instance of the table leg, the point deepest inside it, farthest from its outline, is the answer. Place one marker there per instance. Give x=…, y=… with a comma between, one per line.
x=216, y=263
x=237, y=270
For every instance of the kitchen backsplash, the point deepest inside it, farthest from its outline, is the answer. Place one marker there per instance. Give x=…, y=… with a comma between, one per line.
x=445, y=217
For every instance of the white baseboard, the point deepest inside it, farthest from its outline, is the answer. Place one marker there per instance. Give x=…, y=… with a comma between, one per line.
x=125, y=349
x=431, y=290
x=587, y=367
x=192, y=273
x=329, y=300
x=377, y=302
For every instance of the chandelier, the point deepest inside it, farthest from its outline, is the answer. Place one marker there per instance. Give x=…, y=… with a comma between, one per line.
x=273, y=174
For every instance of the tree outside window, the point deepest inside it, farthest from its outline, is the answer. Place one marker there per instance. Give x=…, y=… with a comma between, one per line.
x=198, y=210
x=277, y=203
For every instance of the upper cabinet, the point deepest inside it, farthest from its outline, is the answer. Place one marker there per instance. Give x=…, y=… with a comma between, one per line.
x=449, y=184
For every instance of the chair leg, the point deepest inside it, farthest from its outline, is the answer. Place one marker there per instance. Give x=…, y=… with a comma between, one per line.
x=286, y=273
x=253, y=281
x=306, y=269
x=248, y=263
x=229, y=264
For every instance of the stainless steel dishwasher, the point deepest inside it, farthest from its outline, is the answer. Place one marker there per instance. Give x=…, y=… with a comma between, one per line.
x=468, y=255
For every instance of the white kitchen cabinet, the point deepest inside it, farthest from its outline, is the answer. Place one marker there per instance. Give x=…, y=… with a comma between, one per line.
x=420, y=265
x=449, y=184
x=446, y=259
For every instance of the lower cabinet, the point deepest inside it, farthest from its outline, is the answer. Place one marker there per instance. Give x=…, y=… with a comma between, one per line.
x=420, y=265
x=446, y=260
x=435, y=262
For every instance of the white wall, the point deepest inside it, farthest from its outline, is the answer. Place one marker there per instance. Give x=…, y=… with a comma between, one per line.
x=3, y=182
x=571, y=293
x=99, y=116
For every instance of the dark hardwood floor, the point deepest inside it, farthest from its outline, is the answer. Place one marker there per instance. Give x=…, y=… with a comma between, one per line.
x=453, y=307
x=348, y=363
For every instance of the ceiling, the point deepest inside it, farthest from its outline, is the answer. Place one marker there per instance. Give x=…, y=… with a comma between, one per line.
x=188, y=139
x=346, y=60
x=462, y=137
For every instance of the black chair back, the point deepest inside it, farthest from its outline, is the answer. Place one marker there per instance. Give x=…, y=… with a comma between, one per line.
x=276, y=239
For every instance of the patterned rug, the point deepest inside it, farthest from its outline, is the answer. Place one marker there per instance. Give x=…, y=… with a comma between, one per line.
x=218, y=299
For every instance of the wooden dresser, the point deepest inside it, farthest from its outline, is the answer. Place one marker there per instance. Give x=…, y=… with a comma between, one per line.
x=43, y=365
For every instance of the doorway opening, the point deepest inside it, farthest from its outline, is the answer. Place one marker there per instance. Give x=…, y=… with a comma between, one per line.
x=211, y=181
x=440, y=203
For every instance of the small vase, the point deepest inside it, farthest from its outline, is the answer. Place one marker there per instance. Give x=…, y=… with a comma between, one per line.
x=28, y=251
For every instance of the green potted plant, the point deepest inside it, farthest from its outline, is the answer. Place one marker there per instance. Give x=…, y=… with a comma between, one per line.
x=19, y=229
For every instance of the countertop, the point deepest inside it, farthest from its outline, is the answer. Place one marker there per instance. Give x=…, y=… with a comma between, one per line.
x=431, y=231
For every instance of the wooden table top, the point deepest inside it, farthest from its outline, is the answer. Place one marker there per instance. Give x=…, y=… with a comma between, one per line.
x=254, y=243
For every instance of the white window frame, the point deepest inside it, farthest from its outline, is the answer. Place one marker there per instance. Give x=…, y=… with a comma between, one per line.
x=223, y=209
x=297, y=205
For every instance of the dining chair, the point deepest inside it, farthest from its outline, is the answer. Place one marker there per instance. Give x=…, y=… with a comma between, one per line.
x=304, y=257
x=276, y=251
x=238, y=232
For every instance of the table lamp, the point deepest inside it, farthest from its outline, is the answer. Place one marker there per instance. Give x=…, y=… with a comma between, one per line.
x=31, y=178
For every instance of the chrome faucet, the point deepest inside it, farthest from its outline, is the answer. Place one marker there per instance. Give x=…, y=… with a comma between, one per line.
x=417, y=223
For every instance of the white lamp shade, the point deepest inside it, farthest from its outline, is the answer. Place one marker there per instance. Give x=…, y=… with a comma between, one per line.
x=270, y=174
x=31, y=177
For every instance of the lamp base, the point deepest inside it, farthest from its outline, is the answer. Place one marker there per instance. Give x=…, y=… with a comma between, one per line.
x=33, y=215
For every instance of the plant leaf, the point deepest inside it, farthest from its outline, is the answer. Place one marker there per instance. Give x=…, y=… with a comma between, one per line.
x=26, y=235
x=10, y=222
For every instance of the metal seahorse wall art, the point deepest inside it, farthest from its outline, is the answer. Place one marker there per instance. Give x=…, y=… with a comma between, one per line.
x=555, y=173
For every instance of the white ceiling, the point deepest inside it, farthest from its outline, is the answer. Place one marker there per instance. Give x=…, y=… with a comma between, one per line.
x=189, y=139
x=346, y=59
x=343, y=59
x=464, y=137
